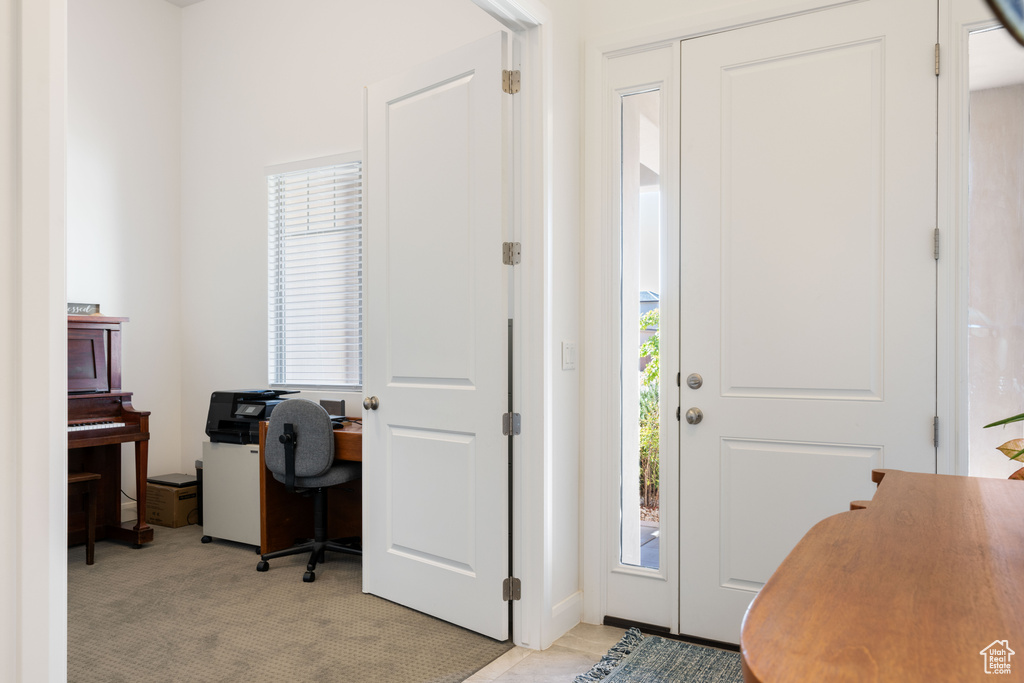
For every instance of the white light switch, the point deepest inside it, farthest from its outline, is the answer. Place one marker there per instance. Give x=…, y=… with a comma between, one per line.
x=568, y=355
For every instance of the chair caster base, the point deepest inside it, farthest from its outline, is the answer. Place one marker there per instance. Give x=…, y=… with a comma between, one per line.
x=206, y=539
x=309, y=577
x=262, y=566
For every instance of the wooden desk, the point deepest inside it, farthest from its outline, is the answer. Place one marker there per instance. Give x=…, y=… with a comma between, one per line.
x=285, y=517
x=911, y=588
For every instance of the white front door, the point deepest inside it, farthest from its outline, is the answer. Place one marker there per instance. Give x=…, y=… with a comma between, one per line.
x=808, y=284
x=435, y=462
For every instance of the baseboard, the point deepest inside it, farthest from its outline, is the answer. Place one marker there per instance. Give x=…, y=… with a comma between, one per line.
x=128, y=511
x=564, y=616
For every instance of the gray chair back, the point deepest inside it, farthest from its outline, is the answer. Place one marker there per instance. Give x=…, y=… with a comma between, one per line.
x=314, y=438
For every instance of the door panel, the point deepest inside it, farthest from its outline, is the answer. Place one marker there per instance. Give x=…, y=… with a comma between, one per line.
x=788, y=219
x=414, y=456
x=435, y=462
x=808, y=284
x=753, y=546
x=426, y=179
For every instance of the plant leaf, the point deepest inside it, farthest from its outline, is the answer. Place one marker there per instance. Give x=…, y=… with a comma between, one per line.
x=1013, y=448
x=1015, y=418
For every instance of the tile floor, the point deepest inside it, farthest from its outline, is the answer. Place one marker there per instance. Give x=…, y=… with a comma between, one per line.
x=572, y=654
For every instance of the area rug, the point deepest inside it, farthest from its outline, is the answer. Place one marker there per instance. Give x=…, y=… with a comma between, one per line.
x=653, y=659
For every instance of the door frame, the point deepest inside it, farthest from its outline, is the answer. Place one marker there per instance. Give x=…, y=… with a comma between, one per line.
x=957, y=19
x=33, y=601
x=536, y=620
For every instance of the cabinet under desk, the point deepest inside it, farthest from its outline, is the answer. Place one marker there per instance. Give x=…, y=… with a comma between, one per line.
x=285, y=517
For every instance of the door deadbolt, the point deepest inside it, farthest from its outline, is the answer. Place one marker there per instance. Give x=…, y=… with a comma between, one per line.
x=371, y=403
x=694, y=416
x=694, y=381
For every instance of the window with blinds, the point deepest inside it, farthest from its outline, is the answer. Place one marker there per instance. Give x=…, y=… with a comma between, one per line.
x=316, y=273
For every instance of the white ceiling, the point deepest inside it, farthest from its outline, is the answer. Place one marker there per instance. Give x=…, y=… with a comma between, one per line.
x=183, y=3
x=996, y=60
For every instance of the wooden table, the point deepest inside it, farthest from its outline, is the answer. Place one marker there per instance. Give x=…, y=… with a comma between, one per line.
x=285, y=517
x=911, y=588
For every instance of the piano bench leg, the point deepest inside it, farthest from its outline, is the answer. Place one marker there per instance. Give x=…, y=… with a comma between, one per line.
x=90, y=544
x=89, y=481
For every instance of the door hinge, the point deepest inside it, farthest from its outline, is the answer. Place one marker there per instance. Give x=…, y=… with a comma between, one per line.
x=935, y=431
x=511, y=253
x=511, y=424
x=936, y=59
x=511, y=589
x=936, y=249
x=679, y=379
x=510, y=81
x=679, y=413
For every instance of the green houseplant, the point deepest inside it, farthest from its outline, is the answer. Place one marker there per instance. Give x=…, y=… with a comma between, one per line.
x=1014, y=448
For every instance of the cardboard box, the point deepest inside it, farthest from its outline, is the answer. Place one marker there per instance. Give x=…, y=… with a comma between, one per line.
x=171, y=506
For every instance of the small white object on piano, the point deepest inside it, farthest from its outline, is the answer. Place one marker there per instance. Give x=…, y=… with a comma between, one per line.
x=94, y=425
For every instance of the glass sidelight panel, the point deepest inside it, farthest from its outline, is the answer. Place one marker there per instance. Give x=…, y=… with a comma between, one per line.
x=641, y=285
x=995, y=342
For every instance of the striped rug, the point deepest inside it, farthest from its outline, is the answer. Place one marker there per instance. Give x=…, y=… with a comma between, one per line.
x=653, y=659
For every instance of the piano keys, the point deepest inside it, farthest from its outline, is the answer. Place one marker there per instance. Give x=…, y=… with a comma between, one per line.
x=100, y=419
x=86, y=426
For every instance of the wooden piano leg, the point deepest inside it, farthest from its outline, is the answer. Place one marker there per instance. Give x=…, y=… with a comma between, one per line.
x=90, y=544
x=141, y=474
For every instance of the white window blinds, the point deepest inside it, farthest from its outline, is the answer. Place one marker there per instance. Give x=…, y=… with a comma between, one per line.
x=316, y=274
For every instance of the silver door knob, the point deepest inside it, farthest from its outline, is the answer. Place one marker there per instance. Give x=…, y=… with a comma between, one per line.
x=694, y=416
x=371, y=403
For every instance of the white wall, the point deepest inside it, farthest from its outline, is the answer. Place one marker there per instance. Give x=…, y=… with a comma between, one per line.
x=996, y=218
x=609, y=17
x=123, y=244
x=9, y=281
x=565, y=317
x=267, y=82
x=650, y=247
x=639, y=19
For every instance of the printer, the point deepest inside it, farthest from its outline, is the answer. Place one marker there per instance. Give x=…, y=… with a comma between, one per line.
x=235, y=416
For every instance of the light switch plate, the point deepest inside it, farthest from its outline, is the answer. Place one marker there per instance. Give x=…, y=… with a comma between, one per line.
x=568, y=355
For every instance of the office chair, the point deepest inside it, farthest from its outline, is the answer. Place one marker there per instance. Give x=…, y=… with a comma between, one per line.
x=299, y=452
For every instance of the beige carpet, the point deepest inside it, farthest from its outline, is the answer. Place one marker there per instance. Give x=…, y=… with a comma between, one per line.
x=180, y=610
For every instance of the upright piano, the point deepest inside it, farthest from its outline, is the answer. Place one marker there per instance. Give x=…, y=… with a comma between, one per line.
x=100, y=419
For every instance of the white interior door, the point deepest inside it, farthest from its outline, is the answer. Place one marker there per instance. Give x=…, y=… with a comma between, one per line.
x=808, y=284
x=435, y=462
